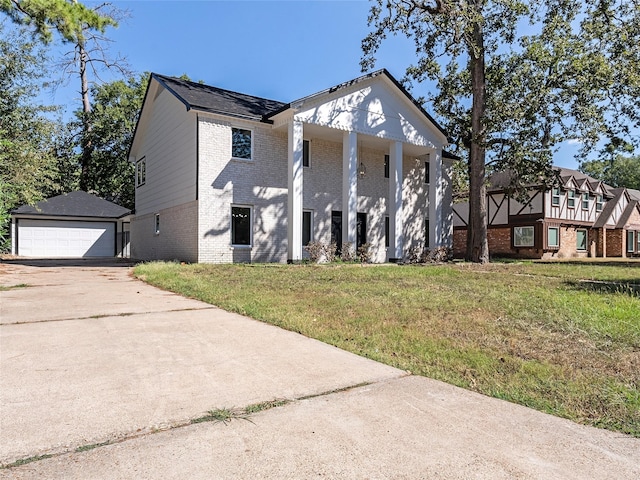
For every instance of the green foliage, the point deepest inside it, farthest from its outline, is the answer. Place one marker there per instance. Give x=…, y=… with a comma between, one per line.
x=28, y=165
x=67, y=17
x=620, y=171
x=116, y=106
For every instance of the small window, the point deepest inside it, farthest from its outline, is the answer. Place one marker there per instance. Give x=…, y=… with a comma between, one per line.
x=386, y=166
x=638, y=242
x=156, y=224
x=241, y=143
x=555, y=196
x=585, y=201
x=571, y=198
x=141, y=172
x=426, y=172
x=581, y=240
x=553, y=237
x=523, y=237
x=386, y=231
x=426, y=232
x=307, y=227
x=599, y=203
x=630, y=241
x=306, y=160
x=241, y=226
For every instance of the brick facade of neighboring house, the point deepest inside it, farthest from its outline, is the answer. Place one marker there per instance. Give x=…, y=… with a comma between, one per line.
x=226, y=177
x=582, y=217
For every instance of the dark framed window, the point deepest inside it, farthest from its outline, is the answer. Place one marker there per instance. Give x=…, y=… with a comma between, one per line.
x=426, y=232
x=581, y=240
x=156, y=224
x=241, y=226
x=426, y=172
x=555, y=196
x=361, y=229
x=306, y=159
x=141, y=172
x=523, y=236
x=241, y=143
x=307, y=227
x=386, y=166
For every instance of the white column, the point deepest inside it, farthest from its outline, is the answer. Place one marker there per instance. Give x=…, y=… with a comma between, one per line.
x=294, y=212
x=396, y=238
x=349, y=187
x=436, y=197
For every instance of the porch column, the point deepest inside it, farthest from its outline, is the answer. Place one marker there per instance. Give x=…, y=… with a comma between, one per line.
x=436, y=197
x=396, y=238
x=349, y=187
x=294, y=211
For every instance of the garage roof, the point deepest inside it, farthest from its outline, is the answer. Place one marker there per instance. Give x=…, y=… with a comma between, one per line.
x=74, y=204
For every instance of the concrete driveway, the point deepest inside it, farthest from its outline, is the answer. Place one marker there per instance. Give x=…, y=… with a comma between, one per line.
x=102, y=374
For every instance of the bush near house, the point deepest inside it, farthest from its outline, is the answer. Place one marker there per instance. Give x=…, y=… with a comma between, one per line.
x=562, y=338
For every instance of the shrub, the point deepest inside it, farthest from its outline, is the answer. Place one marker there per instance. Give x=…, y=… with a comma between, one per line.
x=348, y=253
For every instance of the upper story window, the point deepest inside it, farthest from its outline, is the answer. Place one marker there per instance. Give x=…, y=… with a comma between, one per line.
x=585, y=201
x=306, y=159
x=555, y=196
x=571, y=198
x=241, y=143
x=141, y=172
x=599, y=203
x=386, y=166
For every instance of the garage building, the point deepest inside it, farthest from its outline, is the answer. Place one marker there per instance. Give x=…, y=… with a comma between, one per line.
x=73, y=225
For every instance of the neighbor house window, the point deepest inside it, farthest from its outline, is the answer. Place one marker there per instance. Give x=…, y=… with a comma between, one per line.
x=553, y=237
x=306, y=159
x=241, y=226
x=307, y=227
x=630, y=240
x=426, y=172
x=638, y=242
x=571, y=198
x=581, y=240
x=599, y=203
x=386, y=231
x=585, y=201
x=555, y=196
x=386, y=166
x=241, y=143
x=141, y=172
x=523, y=237
x=156, y=224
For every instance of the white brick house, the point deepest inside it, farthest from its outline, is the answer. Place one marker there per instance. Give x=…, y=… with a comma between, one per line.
x=225, y=177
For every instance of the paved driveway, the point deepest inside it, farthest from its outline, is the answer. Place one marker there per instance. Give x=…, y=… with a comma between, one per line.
x=91, y=356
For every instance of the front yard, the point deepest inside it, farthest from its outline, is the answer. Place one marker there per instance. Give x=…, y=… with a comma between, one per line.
x=563, y=338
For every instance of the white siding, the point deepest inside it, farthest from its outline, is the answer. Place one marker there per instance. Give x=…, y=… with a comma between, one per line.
x=169, y=148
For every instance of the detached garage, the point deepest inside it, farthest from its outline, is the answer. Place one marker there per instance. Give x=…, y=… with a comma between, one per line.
x=76, y=224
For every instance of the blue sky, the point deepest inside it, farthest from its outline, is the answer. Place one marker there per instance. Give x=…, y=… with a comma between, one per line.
x=282, y=50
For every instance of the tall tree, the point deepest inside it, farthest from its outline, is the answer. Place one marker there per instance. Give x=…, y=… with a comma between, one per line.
x=507, y=98
x=620, y=171
x=67, y=17
x=28, y=166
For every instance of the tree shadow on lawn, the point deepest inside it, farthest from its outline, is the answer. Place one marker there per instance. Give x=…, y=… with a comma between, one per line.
x=629, y=287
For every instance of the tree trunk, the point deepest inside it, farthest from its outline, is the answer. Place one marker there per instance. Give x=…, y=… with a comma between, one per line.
x=86, y=144
x=477, y=245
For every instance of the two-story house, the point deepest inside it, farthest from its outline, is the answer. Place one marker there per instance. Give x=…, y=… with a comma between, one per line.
x=225, y=177
x=580, y=217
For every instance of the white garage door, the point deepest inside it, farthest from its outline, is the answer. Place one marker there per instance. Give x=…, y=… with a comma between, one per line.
x=54, y=238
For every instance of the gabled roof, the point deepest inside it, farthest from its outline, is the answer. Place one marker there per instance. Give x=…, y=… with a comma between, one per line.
x=198, y=96
x=626, y=215
x=74, y=204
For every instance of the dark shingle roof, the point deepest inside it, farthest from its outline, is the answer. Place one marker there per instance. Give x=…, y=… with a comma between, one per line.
x=74, y=204
x=202, y=97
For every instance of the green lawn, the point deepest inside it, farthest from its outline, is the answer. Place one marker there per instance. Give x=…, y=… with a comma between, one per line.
x=563, y=338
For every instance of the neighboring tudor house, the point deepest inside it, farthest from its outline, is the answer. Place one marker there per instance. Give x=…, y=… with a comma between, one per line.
x=75, y=225
x=226, y=177
x=582, y=217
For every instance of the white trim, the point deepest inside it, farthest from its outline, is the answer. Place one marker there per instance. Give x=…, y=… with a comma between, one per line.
x=141, y=171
